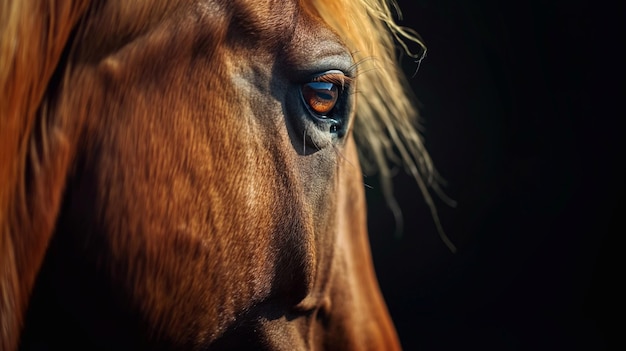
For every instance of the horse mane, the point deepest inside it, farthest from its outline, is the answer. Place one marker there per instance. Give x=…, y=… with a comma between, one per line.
x=33, y=153
x=387, y=122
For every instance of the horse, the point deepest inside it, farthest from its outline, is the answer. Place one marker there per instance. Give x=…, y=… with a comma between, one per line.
x=189, y=174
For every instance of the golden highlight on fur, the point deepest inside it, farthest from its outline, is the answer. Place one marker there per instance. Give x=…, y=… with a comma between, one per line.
x=36, y=150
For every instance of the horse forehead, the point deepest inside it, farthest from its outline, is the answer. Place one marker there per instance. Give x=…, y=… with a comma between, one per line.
x=289, y=28
x=268, y=19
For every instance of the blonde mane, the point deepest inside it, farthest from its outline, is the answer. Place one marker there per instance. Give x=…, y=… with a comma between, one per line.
x=387, y=120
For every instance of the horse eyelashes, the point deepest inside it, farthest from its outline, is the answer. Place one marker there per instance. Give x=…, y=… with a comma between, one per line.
x=335, y=77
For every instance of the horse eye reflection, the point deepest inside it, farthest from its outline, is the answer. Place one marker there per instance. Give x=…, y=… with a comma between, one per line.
x=321, y=97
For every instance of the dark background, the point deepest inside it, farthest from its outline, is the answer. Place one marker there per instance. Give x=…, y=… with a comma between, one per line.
x=519, y=104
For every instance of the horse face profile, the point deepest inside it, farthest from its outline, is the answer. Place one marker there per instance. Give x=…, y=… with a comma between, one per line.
x=184, y=175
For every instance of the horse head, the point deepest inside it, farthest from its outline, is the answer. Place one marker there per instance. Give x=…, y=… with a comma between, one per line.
x=185, y=174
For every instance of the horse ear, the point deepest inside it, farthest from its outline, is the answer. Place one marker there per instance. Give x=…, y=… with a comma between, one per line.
x=33, y=35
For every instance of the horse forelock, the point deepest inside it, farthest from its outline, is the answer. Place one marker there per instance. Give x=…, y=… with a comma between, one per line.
x=387, y=122
x=33, y=35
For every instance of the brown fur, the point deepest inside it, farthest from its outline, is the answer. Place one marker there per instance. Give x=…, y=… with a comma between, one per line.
x=148, y=151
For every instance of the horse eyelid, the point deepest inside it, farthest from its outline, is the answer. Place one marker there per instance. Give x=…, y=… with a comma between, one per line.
x=335, y=77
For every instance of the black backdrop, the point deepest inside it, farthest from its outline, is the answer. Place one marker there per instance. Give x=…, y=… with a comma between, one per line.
x=518, y=102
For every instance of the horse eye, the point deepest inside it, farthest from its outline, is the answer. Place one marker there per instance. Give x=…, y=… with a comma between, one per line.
x=320, y=97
